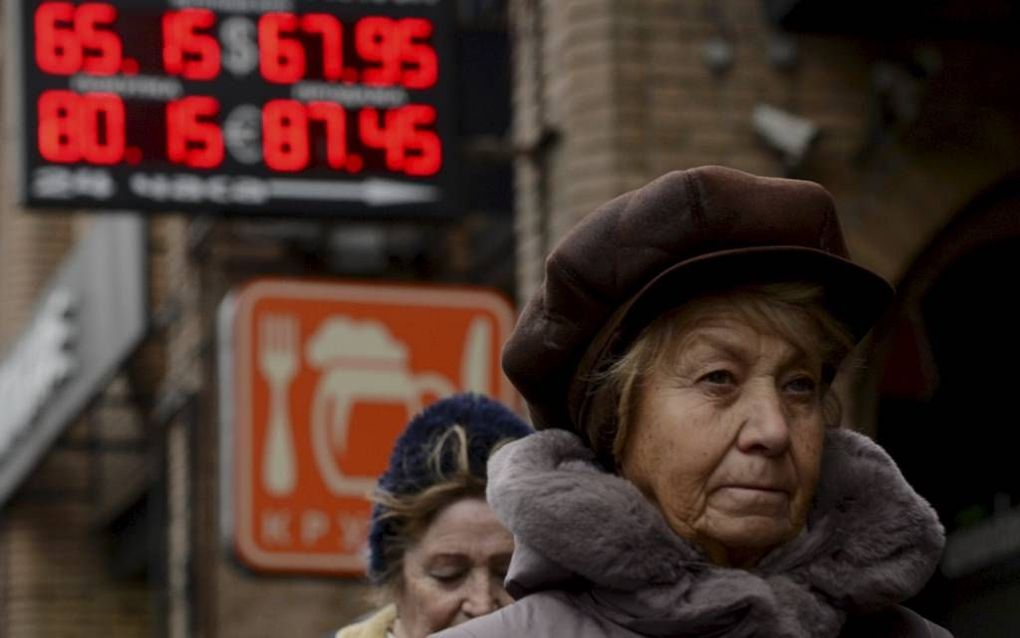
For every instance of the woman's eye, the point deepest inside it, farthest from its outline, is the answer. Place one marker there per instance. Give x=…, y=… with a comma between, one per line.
x=719, y=378
x=448, y=578
x=801, y=385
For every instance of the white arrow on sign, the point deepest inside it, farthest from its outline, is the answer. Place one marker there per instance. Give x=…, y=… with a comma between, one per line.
x=375, y=192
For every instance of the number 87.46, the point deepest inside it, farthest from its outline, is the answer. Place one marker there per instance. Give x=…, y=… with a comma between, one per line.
x=402, y=134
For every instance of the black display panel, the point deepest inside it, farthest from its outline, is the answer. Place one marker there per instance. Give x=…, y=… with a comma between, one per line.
x=307, y=107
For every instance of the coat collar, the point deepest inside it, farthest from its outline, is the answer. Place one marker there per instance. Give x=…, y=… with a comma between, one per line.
x=870, y=542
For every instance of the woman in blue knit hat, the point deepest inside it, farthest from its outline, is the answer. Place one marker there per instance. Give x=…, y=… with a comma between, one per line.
x=437, y=552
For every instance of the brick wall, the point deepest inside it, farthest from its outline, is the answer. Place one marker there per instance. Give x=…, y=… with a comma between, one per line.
x=56, y=562
x=625, y=86
x=55, y=554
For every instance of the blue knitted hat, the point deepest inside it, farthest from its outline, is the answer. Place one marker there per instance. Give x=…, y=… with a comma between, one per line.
x=487, y=422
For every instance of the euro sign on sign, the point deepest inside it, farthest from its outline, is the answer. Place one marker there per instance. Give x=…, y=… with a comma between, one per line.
x=318, y=381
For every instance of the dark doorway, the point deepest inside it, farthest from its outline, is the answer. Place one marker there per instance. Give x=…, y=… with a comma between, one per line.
x=947, y=384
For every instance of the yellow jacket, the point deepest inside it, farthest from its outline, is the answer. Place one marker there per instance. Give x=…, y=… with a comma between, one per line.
x=375, y=626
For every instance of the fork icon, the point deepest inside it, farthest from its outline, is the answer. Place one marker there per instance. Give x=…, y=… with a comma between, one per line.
x=278, y=358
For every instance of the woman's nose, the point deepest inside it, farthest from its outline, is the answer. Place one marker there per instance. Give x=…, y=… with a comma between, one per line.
x=766, y=429
x=481, y=597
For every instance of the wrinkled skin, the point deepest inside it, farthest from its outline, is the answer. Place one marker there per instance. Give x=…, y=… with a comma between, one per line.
x=727, y=438
x=455, y=571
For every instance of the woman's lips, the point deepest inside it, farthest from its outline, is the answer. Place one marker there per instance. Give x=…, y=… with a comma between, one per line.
x=751, y=499
x=751, y=486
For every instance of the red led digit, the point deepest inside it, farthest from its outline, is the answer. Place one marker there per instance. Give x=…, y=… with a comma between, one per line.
x=101, y=47
x=420, y=56
x=426, y=151
x=285, y=135
x=409, y=147
x=376, y=40
x=187, y=50
x=327, y=27
x=192, y=139
x=384, y=130
x=281, y=56
x=88, y=127
x=58, y=126
x=57, y=49
x=70, y=39
x=101, y=126
x=335, y=118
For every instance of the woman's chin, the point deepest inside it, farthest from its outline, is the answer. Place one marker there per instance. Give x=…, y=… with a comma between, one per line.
x=740, y=541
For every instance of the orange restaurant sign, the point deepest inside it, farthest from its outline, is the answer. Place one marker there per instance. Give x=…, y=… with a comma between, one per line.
x=321, y=378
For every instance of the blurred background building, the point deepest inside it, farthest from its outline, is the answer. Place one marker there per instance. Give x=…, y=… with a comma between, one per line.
x=908, y=112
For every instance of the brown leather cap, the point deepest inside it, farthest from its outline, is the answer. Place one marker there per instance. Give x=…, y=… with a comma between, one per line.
x=650, y=250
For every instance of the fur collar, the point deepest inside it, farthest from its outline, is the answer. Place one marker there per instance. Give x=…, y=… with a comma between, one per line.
x=870, y=542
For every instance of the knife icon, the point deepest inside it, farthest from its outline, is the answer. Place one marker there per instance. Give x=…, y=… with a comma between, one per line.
x=476, y=361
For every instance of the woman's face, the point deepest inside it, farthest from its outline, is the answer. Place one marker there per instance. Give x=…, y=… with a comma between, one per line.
x=456, y=571
x=727, y=439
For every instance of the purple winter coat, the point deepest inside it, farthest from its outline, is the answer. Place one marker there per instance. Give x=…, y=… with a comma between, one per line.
x=595, y=558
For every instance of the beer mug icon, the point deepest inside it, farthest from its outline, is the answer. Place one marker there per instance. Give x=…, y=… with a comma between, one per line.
x=360, y=362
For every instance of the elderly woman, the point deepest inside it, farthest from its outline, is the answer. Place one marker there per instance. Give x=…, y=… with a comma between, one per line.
x=437, y=552
x=692, y=479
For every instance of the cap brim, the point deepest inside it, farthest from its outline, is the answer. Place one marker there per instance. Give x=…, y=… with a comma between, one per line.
x=855, y=296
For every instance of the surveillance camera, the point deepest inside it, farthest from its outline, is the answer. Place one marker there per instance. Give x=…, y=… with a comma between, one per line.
x=789, y=134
